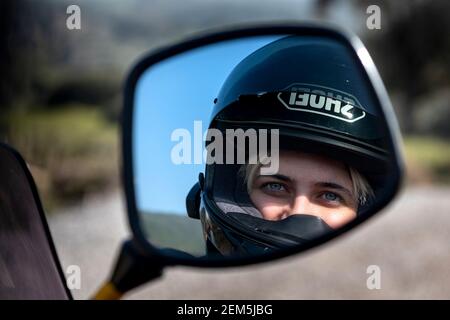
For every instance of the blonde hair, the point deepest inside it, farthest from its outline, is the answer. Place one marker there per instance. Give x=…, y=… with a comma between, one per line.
x=361, y=187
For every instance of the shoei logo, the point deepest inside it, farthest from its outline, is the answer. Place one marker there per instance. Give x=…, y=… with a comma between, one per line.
x=322, y=100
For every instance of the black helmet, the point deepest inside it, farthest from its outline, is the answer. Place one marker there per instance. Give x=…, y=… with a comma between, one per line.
x=311, y=90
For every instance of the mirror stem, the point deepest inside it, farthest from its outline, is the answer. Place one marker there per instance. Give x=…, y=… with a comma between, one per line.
x=132, y=269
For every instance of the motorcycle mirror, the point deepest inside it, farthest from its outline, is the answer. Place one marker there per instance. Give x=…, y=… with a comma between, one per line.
x=329, y=127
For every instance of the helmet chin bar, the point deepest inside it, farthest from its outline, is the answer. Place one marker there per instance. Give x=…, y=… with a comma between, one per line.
x=297, y=228
x=241, y=234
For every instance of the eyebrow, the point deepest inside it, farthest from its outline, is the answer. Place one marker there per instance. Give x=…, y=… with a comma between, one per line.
x=276, y=176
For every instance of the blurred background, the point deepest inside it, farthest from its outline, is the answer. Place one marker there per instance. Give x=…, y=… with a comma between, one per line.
x=60, y=102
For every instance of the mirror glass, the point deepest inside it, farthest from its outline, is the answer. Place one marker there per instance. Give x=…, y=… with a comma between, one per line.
x=256, y=144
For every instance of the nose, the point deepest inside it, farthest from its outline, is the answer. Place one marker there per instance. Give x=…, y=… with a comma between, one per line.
x=301, y=204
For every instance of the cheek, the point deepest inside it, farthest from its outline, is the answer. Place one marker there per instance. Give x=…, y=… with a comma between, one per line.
x=271, y=208
x=339, y=217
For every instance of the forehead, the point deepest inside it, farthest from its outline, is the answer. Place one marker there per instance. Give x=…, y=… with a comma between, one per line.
x=300, y=166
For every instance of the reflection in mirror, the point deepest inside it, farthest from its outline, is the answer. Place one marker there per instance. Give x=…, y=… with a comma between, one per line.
x=256, y=144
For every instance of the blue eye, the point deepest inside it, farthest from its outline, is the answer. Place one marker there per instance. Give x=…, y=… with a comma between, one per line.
x=330, y=196
x=274, y=187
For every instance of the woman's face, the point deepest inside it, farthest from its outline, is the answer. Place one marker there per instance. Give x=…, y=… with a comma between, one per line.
x=306, y=184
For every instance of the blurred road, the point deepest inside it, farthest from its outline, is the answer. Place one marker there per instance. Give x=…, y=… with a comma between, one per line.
x=409, y=241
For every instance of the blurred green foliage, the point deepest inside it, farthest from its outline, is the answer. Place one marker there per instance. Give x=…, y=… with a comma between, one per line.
x=428, y=159
x=71, y=150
